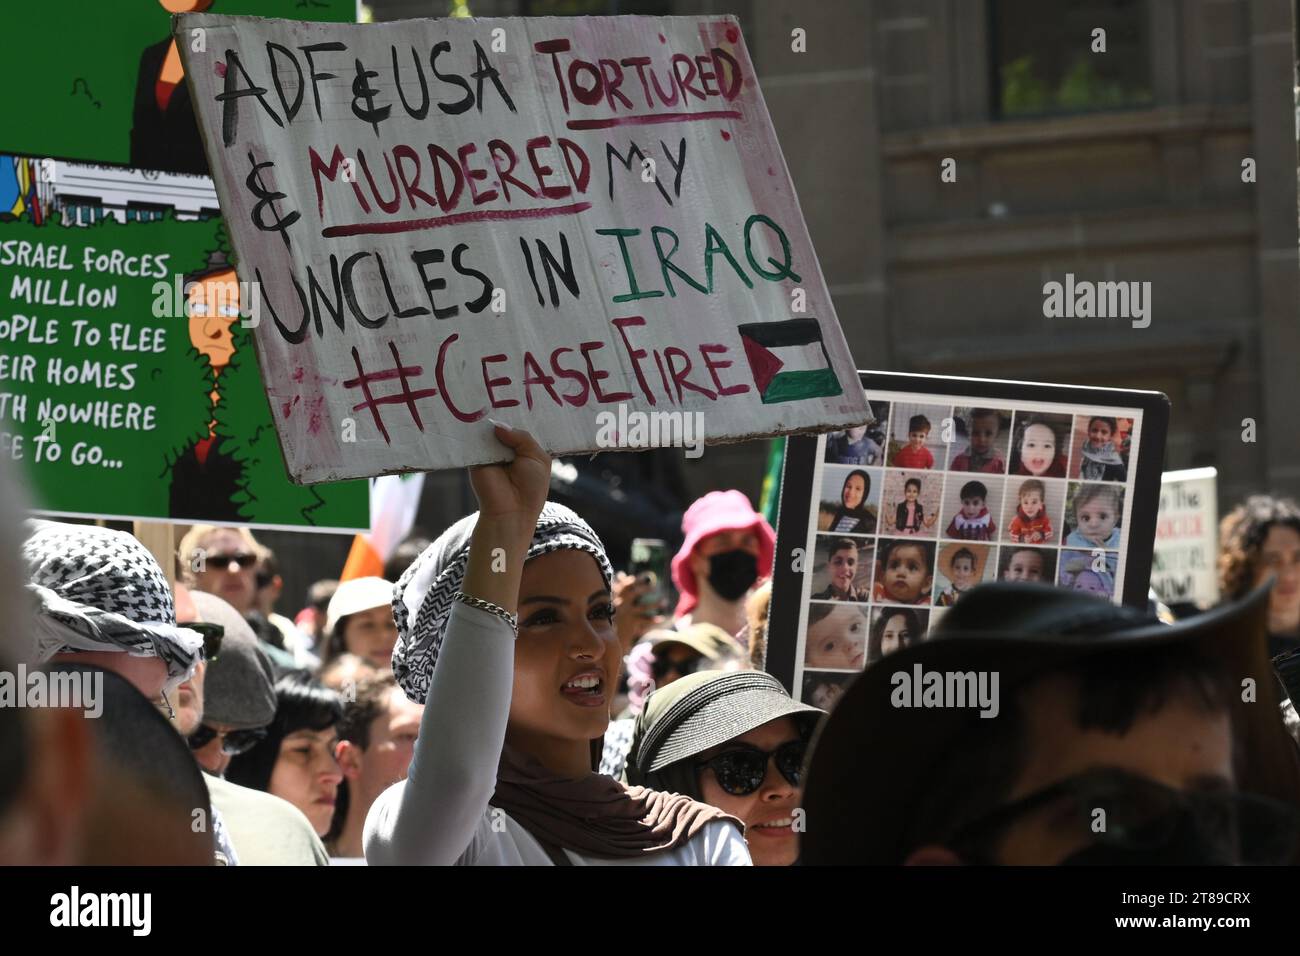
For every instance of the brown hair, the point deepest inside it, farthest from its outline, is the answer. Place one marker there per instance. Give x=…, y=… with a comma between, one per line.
x=756, y=608
x=1241, y=535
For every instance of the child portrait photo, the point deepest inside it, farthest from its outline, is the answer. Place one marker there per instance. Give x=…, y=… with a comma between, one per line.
x=910, y=503
x=961, y=567
x=842, y=568
x=850, y=499
x=981, y=440
x=894, y=628
x=971, y=507
x=1040, y=445
x=1026, y=564
x=1093, y=514
x=916, y=435
x=904, y=571
x=863, y=444
x=1100, y=448
x=1090, y=572
x=1032, y=513
x=836, y=636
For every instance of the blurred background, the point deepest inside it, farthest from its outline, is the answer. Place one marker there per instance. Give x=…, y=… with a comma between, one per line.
x=1125, y=166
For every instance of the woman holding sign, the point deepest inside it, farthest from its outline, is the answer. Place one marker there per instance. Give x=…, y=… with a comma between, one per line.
x=505, y=633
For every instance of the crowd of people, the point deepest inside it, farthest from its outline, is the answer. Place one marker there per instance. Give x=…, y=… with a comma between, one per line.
x=503, y=695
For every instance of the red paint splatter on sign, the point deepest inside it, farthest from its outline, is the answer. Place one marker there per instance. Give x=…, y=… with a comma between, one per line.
x=662, y=39
x=220, y=68
x=298, y=372
x=732, y=34
x=726, y=135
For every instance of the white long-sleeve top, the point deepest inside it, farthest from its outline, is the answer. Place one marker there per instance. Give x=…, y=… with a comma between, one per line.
x=440, y=815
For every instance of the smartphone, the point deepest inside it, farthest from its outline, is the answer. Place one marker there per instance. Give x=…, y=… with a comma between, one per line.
x=650, y=556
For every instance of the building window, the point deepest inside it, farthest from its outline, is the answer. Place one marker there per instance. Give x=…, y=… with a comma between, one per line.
x=1043, y=60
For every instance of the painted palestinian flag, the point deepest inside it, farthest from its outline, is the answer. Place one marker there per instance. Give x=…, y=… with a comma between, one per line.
x=789, y=360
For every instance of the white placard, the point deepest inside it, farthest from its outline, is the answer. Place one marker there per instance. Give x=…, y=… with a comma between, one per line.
x=534, y=220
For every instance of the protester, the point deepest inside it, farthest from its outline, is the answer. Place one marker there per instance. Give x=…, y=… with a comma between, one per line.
x=269, y=588
x=234, y=699
x=237, y=702
x=502, y=772
x=728, y=549
x=103, y=608
x=700, y=646
x=295, y=760
x=1258, y=539
x=633, y=618
x=1041, y=705
x=345, y=672
x=222, y=561
x=736, y=741
x=146, y=794
x=360, y=622
x=102, y=600
x=376, y=742
x=311, y=619
x=404, y=555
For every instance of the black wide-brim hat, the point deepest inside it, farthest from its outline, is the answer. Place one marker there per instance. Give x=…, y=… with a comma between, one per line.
x=872, y=762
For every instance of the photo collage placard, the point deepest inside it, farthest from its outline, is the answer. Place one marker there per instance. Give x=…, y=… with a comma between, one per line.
x=940, y=493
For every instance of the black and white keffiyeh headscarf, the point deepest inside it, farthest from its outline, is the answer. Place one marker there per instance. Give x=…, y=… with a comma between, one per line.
x=95, y=589
x=422, y=597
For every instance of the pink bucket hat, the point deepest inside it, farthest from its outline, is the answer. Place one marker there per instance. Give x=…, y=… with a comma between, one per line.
x=718, y=511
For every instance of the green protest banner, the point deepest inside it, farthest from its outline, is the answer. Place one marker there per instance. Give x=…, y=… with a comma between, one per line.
x=122, y=395
x=115, y=399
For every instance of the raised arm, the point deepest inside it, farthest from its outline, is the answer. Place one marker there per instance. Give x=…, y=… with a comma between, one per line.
x=431, y=817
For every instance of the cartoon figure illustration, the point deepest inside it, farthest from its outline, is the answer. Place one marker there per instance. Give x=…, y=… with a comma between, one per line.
x=164, y=132
x=204, y=478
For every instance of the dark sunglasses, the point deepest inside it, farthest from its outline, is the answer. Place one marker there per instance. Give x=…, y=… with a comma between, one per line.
x=212, y=637
x=740, y=771
x=233, y=742
x=245, y=560
x=661, y=667
x=1142, y=814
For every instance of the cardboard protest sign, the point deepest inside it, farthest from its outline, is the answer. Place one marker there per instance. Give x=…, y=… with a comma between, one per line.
x=536, y=220
x=1184, y=566
x=951, y=483
x=121, y=394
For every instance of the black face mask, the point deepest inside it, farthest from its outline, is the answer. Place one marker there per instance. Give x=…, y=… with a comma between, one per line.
x=732, y=573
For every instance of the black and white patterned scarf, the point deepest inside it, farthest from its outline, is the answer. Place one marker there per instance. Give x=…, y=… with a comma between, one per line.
x=422, y=597
x=95, y=589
